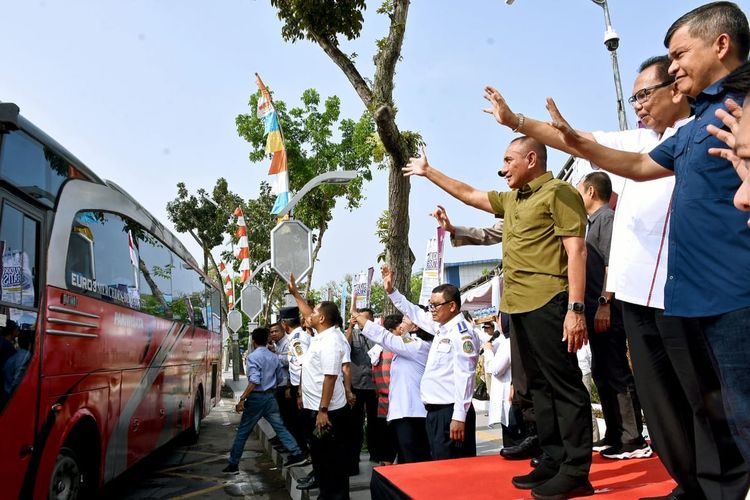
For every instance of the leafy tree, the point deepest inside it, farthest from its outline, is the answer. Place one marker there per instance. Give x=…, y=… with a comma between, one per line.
x=415, y=287
x=325, y=23
x=378, y=298
x=308, y=136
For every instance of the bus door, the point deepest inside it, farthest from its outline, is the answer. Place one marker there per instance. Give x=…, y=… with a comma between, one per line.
x=21, y=247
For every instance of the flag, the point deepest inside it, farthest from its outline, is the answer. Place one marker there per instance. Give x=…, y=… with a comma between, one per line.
x=228, y=285
x=274, y=146
x=242, y=244
x=131, y=249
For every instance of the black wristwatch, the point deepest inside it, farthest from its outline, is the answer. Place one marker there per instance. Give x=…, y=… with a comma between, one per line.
x=603, y=300
x=323, y=409
x=576, y=307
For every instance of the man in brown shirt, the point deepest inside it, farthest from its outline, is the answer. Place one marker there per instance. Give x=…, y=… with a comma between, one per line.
x=544, y=260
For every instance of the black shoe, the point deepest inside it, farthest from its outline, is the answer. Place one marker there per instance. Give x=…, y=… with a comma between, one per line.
x=562, y=487
x=626, y=451
x=602, y=444
x=293, y=460
x=231, y=469
x=535, y=478
x=307, y=484
x=528, y=448
x=534, y=463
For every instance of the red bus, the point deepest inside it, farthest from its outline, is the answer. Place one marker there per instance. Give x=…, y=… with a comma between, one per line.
x=113, y=330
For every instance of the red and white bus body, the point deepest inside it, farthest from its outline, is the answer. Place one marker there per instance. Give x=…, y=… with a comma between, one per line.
x=118, y=366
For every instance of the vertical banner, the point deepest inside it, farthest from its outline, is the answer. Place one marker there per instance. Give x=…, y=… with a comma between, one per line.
x=432, y=275
x=361, y=287
x=342, y=307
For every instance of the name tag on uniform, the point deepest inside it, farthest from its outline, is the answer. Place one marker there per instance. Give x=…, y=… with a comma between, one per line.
x=444, y=345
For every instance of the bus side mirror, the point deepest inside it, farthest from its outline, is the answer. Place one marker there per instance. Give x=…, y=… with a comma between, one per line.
x=8, y=117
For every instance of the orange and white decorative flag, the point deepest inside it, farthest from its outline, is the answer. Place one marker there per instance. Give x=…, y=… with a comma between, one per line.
x=244, y=249
x=228, y=285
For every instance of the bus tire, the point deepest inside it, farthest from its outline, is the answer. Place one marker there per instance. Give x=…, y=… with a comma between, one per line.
x=66, y=482
x=193, y=432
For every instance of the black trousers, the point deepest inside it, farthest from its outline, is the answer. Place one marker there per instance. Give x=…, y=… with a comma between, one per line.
x=438, y=425
x=366, y=406
x=290, y=415
x=681, y=398
x=521, y=392
x=613, y=377
x=328, y=454
x=561, y=402
x=411, y=439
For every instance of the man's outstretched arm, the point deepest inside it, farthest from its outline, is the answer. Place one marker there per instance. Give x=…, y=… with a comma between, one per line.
x=459, y=190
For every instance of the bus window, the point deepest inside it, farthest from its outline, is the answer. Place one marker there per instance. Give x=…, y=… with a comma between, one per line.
x=32, y=168
x=215, y=310
x=154, y=267
x=189, y=289
x=113, y=278
x=18, y=239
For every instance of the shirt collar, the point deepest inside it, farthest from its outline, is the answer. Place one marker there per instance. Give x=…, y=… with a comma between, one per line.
x=598, y=213
x=535, y=184
x=324, y=332
x=452, y=322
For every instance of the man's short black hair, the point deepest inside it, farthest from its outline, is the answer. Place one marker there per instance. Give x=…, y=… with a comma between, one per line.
x=709, y=21
x=368, y=311
x=260, y=335
x=601, y=183
x=450, y=293
x=662, y=67
x=9, y=328
x=25, y=339
x=331, y=312
x=738, y=81
x=392, y=321
x=537, y=147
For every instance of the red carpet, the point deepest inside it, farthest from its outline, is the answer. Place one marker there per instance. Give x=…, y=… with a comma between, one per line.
x=489, y=477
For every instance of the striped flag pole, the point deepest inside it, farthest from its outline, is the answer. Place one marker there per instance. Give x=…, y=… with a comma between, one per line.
x=228, y=285
x=244, y=249
x=274, y=145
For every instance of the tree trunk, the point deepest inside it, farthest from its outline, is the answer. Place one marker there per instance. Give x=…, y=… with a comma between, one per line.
x=399, y=256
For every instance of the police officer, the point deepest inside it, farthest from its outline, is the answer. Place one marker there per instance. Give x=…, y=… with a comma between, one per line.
x=448, y=380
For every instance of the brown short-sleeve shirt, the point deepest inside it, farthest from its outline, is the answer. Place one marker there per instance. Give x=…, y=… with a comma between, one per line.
x=535, y=263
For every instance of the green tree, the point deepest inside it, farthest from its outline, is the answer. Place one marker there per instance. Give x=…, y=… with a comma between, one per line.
x=325, y=23
x=415, y=287
x=308, y=137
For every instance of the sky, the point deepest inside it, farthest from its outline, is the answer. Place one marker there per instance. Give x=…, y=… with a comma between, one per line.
x=145, y=92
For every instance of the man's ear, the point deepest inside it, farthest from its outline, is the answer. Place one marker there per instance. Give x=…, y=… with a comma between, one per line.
x=532, y=158
x=677, y=96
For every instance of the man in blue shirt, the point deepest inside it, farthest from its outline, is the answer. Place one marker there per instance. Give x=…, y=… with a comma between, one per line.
x=709, y=240
x=258, y=401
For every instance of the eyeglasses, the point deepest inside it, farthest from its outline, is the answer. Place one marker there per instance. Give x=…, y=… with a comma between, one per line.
x=643, y=95
x=433, y=307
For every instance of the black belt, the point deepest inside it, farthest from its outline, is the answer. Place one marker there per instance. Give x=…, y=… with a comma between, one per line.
x=430, y=407
x=268, y=391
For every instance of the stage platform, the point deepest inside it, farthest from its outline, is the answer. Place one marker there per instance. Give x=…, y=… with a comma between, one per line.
x=488, y=477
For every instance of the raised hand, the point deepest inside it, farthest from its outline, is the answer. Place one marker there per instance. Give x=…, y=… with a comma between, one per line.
x=385, y=272
x=568, y=134
x=731, y=120
x=500, y=109
x=442, y=218
x=417, y=165
x=293, y=285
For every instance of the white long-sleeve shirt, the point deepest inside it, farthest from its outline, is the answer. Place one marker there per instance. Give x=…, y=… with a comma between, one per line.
x=497, y=364
x=449, y=374
x=407, y=369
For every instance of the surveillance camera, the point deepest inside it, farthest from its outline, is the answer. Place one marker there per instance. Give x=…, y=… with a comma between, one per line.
x=611, y=40
x=509, y=2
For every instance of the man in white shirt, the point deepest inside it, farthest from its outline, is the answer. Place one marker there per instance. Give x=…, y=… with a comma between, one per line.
x=324, y=398
x=673, y=370
x=448, y=380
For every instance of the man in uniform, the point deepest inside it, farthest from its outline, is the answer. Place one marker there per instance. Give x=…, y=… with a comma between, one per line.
x=448, y=380
x=544, y=259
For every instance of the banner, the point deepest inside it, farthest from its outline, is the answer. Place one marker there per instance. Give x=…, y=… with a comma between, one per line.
x=361, y=287
x=433, y=272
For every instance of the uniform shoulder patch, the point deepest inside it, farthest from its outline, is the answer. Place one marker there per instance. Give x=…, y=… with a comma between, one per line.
x=407, y=338
x=462, y=328
x=468, y=347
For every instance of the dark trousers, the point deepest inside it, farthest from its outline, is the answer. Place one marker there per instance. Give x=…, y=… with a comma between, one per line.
x=681, y=398
x=328, y=454
x=611, y=372
x=411, y=439
x=384, y=447
x=728, y=336
x=521, y=392
x=290, y=414
x=366, y=405
x=561, y=401
x=438, y=425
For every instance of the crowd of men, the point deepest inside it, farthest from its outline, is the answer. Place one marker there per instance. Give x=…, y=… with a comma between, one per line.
x=663, y=276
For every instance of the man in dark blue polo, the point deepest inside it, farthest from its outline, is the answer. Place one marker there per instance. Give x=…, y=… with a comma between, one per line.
x=259, y=401
x=709, y=240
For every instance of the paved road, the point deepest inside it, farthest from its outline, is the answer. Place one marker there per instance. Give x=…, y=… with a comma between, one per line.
x=181, y=471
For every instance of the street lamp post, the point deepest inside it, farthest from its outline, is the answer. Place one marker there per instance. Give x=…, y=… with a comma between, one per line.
x=612, y=42
x=335, y=177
